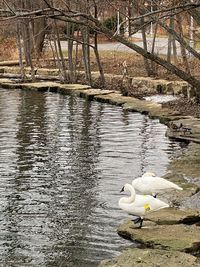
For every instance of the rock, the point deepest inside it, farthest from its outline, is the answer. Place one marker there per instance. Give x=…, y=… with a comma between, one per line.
x=154, y=110
x=72, y=89
x=90, y=93
x=188, y=123
x=151, y=258
x=174, y=216
x=40, y=86
x=146, y=83
x=5, y=80
x=74, y=86
x=192, y=201
x=113, y=98
x=174, y=237
x=188, y=165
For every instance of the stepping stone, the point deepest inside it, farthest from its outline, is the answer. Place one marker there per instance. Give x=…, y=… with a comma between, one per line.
x=175, y=237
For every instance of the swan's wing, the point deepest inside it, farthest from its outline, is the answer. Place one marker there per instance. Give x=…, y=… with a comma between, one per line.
x=141, y=186
x=147, y=204
x=141, y=200
x=157, y=184
x=157, y=204
x=131, y=208
x=143, y=205
x=151, y=185
x=150, y=203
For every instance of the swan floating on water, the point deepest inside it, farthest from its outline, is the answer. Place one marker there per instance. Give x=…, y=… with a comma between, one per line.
x=139, y=205
x=151, y=184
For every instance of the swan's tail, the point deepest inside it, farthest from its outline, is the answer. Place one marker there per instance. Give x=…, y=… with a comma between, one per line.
x=179, y=188
x=175, y=186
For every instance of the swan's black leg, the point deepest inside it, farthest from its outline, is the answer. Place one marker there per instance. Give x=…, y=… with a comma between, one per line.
x=141, y=221
x=138, y=220
x=154, y=195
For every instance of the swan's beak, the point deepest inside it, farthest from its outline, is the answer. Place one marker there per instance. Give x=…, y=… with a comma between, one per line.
x=122, y=190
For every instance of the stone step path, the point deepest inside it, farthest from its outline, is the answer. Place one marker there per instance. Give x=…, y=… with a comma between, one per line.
x=153, y=110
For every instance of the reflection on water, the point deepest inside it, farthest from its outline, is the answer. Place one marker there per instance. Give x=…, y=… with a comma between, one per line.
x=63, y=161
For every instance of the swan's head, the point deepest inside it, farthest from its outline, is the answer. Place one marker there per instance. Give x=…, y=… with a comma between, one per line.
x=126, y=187
x=122, y=190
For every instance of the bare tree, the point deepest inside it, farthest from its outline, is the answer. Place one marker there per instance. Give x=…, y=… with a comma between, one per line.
x=86, y=19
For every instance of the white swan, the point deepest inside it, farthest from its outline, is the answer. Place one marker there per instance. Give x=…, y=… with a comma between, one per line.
x=139, y=205
x=151, y=184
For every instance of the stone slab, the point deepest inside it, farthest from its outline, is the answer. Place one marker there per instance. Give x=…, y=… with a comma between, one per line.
x=190, y=122
x=136, y=257
x=74, y=86
x=72, y=89
x=176, y=237
x=113, y=98
x=188, y=165
x=174, y=216
x=90, y=93
x=5, y=80
x=40, y=86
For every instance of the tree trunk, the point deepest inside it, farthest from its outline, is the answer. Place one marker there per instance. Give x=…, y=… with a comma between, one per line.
x=153, y=48
x=144, y=40
x=58, y=63
x=70, y=34
x=84, y=6
x=183, y=52
x=77, y=56
x=38, y=24
x=39, y=28
x=174, y=45
x=20, y=52
x=99, y=61
x=97, y=52
x=169, y=49
x=61, y=57
x=28, y=50
x=86, y=53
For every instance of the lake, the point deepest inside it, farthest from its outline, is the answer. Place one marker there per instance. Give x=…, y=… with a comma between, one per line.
x=63, y=162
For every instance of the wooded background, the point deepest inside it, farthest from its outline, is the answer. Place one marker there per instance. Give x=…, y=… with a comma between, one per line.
x=41, y=24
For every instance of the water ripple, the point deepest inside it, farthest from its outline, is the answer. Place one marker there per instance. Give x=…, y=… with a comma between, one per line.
x=63, y=161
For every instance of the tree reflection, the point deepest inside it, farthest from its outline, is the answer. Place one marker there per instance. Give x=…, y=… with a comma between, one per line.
x=63, y=161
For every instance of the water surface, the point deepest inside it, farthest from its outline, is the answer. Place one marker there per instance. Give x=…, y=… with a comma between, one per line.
x=63, y=161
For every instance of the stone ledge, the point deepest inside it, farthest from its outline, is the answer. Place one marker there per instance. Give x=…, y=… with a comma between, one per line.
x=91, y=93
x=136, y=257
x=147, y=83
x=175, y=237
x=172, y=216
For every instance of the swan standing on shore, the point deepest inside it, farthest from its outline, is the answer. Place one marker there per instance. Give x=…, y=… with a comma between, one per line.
x=151, y=184
x=139, y=205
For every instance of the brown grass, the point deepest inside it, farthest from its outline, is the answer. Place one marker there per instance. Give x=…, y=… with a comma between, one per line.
x=112, y=61
x=8, y=49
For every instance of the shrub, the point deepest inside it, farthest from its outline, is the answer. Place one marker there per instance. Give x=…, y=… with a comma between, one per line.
x=111, y=23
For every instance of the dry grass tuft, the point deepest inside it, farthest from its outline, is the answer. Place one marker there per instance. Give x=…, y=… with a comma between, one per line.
x=8, y=49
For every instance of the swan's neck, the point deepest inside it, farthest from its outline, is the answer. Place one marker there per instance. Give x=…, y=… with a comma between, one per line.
x=128, y=199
